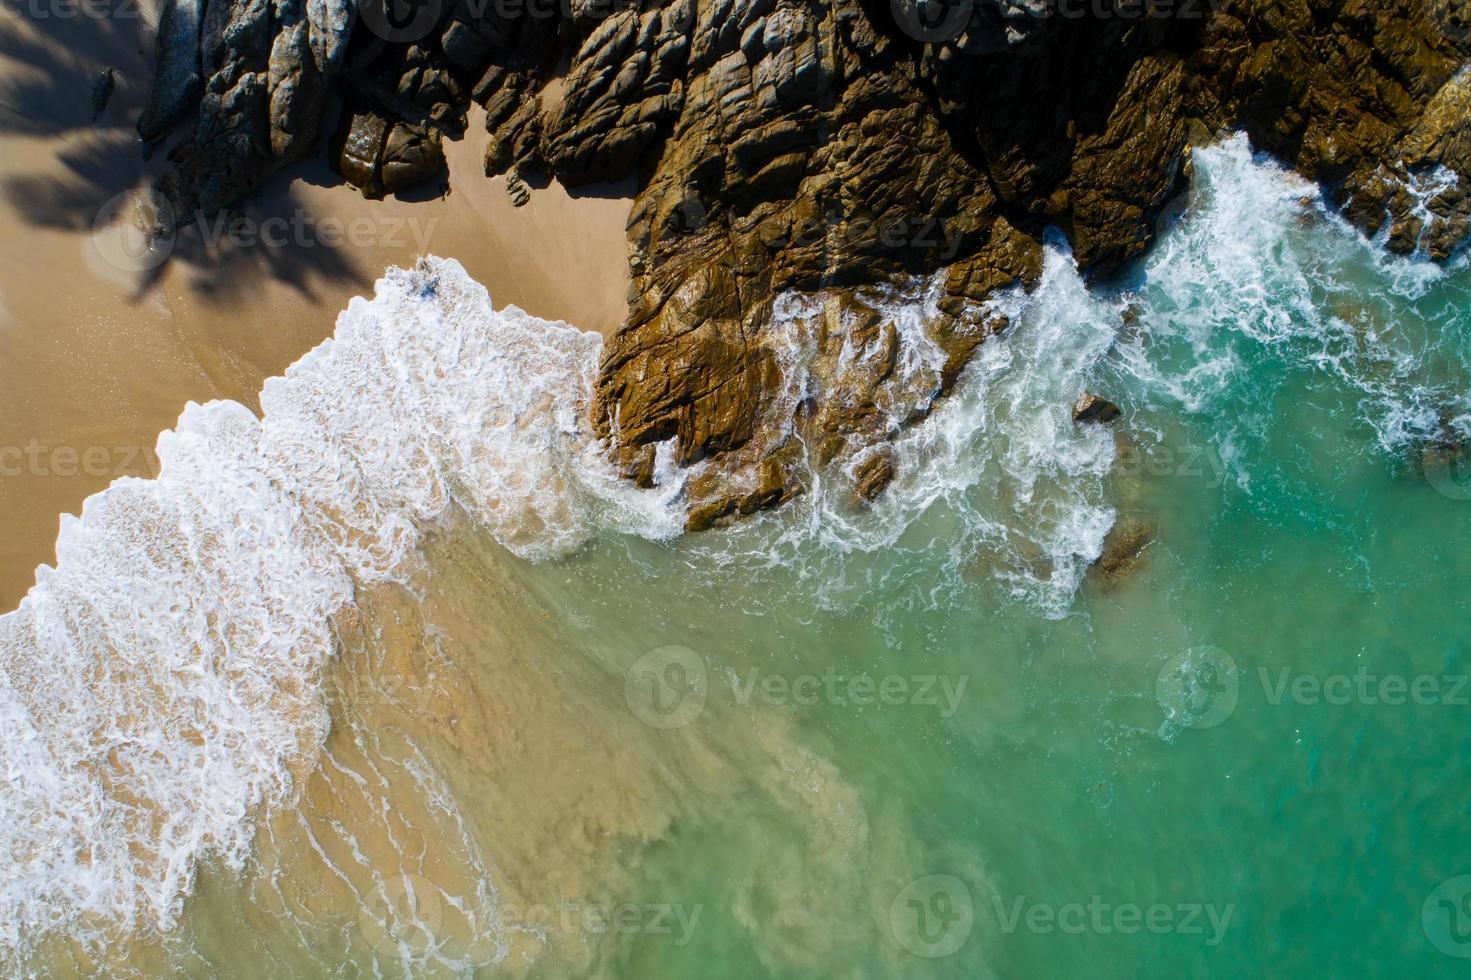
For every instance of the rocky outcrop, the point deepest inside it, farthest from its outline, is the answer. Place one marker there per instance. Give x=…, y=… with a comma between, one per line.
x=176, y=80
x=795, y=156
x=380, y=157
x=1367, y=98
x=1091, y=408
x=266, y=68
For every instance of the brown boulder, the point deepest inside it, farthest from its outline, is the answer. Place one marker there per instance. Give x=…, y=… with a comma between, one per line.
x=379, y=157
x=1091, y=408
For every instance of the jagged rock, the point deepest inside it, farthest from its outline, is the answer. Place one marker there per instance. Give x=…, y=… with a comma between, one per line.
x=411, y=155
x=176, y=79
x=1091, y=408
x=817, y=147
x=380, y=157
x=465, y=48
x=718, y=504
x=873, y=476
x=519, y=193
x=1340, y=98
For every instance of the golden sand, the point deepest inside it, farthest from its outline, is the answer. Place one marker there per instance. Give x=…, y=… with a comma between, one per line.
x=98, y=356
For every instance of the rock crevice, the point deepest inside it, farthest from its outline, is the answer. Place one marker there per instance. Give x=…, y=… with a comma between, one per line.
x=820, y=147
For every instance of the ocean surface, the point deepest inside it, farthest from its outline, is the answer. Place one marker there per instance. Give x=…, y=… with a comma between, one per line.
x=397, y=678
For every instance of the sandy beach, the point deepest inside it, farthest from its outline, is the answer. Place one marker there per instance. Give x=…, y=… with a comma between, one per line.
x=100, y=349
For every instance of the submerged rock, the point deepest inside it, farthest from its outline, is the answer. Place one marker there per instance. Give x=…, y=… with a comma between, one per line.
x=1441, y=456
x=873, y=475
x=1124, y=550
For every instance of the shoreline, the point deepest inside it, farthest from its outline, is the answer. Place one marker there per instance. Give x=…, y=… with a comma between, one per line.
x=103, y=348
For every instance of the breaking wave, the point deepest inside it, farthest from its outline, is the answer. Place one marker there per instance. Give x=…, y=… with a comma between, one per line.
x=162, y=682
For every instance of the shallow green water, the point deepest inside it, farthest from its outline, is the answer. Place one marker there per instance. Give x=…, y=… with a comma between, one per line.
x=913, y=740
x=1294, y=820
x=1321, y=827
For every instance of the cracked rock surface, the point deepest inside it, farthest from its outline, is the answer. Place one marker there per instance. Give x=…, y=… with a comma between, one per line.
x=829, y=149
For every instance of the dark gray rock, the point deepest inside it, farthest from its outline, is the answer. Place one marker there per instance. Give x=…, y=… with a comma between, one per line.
x=176, y=79
x=102, y=88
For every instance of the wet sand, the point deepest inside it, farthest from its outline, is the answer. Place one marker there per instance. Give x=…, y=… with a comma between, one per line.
x=99, y=354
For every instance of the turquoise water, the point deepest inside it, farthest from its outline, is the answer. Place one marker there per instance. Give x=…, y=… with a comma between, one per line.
x=1286, y=374
x=913, y=740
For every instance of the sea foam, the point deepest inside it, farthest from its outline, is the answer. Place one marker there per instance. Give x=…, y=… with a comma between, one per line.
x=160, y=684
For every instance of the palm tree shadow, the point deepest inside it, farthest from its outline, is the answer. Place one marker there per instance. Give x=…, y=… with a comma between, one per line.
x=80, y=82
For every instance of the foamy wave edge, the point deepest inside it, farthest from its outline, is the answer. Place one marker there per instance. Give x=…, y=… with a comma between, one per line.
x=161, y=683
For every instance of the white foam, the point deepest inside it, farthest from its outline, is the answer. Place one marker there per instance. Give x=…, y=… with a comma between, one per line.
x=160, y=684
x=1260, y=272
x=1017, y=487
x=998, y=480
